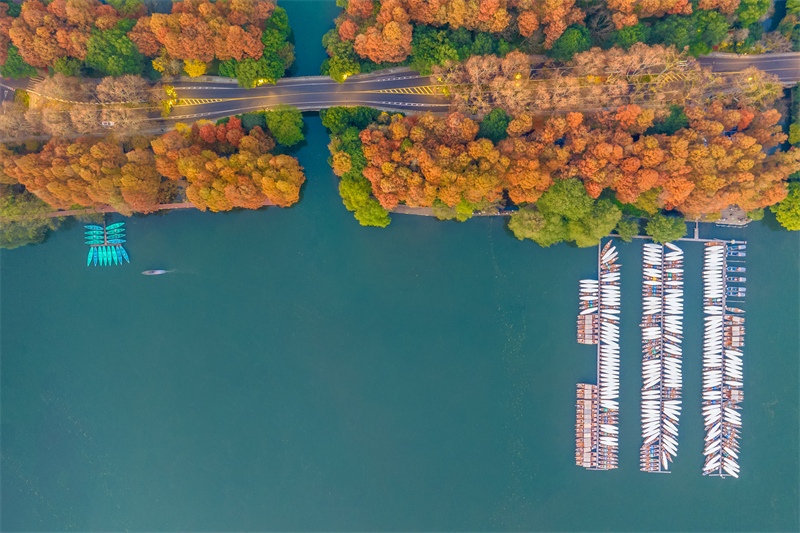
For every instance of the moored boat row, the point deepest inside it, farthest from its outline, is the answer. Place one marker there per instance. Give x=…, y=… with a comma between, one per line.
x=662, y=333
x=598, y=323
x=722, y=360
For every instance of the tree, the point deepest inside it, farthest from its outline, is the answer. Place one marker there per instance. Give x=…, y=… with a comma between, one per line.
x=574, y=40
x=372, y=214
x=493, y=126
x=666, y=228
x=194, y=68
x=19, y=211
x=756, y=214
x=112, y=53
x=788, y=211
x=630, y=35
x=627, y=229
x=340, y=68
x=15, y=67
x=750, y=11
x=68, y=67
x=128, y=89
x=286, y=124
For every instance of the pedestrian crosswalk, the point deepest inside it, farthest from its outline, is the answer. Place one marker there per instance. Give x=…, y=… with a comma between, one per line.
x=33, y=82
x=426, y=89
x=198, y=101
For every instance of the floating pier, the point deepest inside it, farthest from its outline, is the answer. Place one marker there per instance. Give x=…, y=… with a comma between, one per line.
x=597, y=406
x=723, y=341
x=662, y=333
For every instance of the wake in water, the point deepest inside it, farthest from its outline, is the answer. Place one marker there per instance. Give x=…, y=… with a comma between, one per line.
x=158, y=272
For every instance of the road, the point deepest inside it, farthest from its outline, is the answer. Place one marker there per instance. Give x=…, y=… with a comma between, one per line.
x=404, y=91
x=400, y=91
x=785, y=66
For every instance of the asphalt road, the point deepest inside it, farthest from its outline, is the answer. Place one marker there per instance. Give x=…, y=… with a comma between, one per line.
x=785, y=66
x=403, y=91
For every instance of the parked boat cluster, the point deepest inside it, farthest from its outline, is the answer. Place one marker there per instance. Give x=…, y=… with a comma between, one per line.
x=662, y=333
x=106, y=244
x=722, y=359
x=598, y=406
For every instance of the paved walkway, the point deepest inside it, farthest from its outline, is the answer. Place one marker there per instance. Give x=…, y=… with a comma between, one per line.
x=104, y=209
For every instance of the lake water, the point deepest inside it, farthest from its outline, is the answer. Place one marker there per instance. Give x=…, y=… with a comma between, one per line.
x=298, y=372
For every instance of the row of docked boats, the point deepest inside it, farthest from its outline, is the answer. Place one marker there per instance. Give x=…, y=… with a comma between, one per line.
x=662, y=333
x=106, y=244
x=598, y=323
x=107, y=255
x=723, y=340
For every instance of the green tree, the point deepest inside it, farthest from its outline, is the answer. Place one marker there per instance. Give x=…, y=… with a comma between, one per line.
x=666, y=228
x=676, y=120
x=749, y=11
x=251, y=120
x=627, y=229
x=568, y=199
x=339, y=119
x=279, y=21
x=13, y=9
x=15, y=202
x=340, y=68
x=588, y=231
x=354, y=192
x=286, y=124
x=545, y=230
x=430, y=47
x=15, y=67
x=68, y=66
x=788, y=211
x=373, y=214
x=112, y=53
x=574, y=40
x=493, y=126
x=630, y=35
x=756, y=214
x=793, y=7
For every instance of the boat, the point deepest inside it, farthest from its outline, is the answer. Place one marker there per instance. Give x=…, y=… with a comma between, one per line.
x=117, y=225
x=154, y=272
x=734, y=310
x=736, y=269
x=113, y=255
x=95, y=243
x=116, y=241
x=736, y=254
x=94, y=255
x=89, y=259
x=93, y=233
x=92, y=226
x=124, y=254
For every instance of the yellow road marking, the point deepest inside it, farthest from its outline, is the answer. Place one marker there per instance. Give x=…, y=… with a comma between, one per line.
x=199, y=101
x=424, y=89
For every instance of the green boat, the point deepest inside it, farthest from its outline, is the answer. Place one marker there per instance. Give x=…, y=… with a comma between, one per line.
x=106, y=258
x=100, y=233
x=89, y=259
x=113, y=255
x=102, y=256
x=94, y=227
x=95, y=243
x=124, y=254
x=117, y=225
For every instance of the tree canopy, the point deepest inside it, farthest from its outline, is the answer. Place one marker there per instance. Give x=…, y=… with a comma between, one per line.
x=666, y=228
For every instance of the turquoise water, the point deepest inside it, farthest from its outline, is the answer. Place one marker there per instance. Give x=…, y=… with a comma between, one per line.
x=298, y=372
